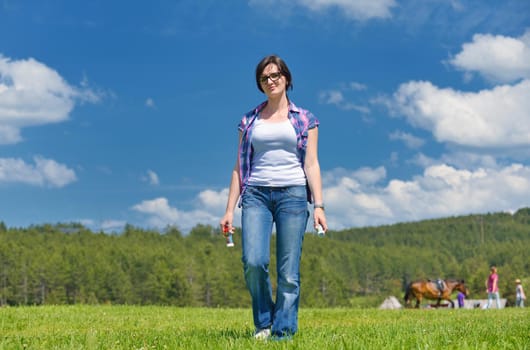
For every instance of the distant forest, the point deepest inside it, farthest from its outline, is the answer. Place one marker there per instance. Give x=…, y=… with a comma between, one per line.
x=358, y=267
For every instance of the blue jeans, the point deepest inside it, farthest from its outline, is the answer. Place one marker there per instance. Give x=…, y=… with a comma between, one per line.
x=519, y=302
x=287, y=208
x=491, y=296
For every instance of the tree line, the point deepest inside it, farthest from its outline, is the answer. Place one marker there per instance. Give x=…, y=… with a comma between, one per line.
x=67, y=263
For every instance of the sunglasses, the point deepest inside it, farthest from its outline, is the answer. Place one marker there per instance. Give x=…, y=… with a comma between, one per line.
x=273, y=76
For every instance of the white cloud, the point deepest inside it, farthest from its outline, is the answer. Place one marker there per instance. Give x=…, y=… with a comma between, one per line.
x=364, y=197
x=423, y=160
x=496, y=57
x=336, y=98
x=150, y=103
x=45, y=172
x=499, y=117
x=9, y=135
x=357, y=86
x=209, y=208
x=152, y=178
x=85, y=222
x=159, y=207
x=33, y=94
x=470, y=160
x=108, y=226
x=441, y=191
x=112, y=225
x=369, y=176
x=333, y=97
x=213, y=200
x=354, y=9
x=410, y=140
x=459, y=18
x=457, y=5
x=354, y=179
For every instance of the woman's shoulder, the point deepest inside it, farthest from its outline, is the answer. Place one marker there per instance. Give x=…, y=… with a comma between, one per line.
x=297, y=109
x=249, y=116
x=254, y=111
x=303, y=114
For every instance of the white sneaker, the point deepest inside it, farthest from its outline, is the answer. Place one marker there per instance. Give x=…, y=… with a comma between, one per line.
x=263, y=334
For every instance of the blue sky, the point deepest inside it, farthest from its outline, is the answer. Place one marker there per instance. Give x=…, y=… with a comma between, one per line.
x=115, y=112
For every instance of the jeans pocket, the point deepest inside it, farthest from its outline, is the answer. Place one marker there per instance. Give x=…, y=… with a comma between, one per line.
x=250, y=197
x=295, y=201
x=295, y=210
x=297, y=192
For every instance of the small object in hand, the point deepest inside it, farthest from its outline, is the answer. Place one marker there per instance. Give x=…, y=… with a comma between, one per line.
x=320, y=231
x=228, y=233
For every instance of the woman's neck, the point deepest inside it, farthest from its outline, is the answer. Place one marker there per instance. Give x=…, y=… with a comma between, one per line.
x=277, y=103
x=276, y=108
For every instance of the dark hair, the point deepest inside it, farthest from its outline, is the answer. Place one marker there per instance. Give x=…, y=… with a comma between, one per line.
x=281, y=66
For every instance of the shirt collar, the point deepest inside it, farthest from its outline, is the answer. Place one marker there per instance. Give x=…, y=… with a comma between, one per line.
x=292, y=107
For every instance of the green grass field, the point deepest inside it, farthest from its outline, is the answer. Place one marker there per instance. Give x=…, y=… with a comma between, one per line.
x=153, y=327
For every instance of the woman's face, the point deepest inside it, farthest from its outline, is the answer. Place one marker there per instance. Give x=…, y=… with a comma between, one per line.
x=272, y=81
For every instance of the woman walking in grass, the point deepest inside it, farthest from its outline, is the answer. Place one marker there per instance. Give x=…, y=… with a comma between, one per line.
x=492, y=286
x=276, y=173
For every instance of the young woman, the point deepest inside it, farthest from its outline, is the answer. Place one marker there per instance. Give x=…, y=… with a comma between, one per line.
x=520, y=297
x=492, y=287
x=276, y=174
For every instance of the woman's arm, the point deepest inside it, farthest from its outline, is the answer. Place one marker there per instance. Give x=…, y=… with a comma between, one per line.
x=233, y=193
x=314, y=179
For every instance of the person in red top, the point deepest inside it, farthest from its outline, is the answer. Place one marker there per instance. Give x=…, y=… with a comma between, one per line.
x=492, y=285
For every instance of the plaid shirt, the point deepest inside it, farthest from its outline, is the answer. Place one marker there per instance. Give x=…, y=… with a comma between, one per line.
x=302, y=121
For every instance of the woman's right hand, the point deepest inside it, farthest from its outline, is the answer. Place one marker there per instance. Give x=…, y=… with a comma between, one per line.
x=227, y=220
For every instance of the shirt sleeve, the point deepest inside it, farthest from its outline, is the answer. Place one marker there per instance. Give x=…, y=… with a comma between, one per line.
x=313, y=121
x=242, y=123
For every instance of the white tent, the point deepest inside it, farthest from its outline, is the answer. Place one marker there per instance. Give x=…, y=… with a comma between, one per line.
x=391, y=303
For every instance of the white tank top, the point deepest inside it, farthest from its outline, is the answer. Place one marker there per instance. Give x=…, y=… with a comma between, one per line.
x=275, y=159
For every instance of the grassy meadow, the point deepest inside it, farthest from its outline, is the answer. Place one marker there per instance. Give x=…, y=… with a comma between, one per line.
x=158, y=327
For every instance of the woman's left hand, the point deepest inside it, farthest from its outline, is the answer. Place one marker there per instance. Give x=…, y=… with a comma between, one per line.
x=319, y=218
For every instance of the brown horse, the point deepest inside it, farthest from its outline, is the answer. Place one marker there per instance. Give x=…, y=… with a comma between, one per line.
x=434, y=290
